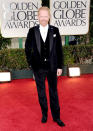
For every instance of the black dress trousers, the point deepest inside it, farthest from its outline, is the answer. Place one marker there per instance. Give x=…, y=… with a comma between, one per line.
x=52, y=82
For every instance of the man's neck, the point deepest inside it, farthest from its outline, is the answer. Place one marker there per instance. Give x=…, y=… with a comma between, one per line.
x=44, y=26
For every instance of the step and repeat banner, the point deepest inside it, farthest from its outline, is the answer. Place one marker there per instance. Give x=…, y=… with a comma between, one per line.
x=18, y=16
x=70, y=16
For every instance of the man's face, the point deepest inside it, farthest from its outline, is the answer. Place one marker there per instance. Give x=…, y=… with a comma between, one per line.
x=43, y=17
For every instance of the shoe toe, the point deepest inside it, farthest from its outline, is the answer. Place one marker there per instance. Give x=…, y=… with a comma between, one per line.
x=59, y=122
x=44, y=119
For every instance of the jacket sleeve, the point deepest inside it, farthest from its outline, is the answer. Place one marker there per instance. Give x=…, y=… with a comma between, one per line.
x=59, y=50
x=28, y=47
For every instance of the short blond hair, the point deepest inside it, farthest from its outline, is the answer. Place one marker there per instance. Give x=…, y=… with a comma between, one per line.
x=44, y=8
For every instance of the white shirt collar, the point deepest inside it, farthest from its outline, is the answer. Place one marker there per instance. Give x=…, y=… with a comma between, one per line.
x=43, y=31
x=44, y=27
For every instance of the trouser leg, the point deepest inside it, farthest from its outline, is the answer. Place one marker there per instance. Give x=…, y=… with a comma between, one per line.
x=54, y=103
x=40, y=82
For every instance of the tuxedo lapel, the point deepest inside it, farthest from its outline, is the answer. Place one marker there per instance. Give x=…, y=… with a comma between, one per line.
x=37, y=36
x=50, y=37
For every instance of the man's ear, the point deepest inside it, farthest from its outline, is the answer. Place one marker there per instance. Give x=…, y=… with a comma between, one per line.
x=49, y=19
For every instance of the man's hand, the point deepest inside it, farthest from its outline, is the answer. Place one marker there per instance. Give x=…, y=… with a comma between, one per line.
x=59, y=72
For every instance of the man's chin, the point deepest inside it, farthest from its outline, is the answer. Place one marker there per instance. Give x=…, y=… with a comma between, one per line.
x=44, y=24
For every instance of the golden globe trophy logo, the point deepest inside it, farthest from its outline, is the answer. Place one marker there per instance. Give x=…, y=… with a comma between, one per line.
x=70, y=16
x=18, y=16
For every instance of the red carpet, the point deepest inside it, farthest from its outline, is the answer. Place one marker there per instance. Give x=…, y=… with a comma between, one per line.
x=20, y=110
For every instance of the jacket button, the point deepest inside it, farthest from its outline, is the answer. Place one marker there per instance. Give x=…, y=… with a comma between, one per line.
x=45, y=59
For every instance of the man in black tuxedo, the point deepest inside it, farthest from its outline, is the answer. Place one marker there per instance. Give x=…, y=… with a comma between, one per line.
x=44, y=55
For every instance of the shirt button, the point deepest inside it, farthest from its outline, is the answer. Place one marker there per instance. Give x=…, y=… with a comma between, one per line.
x=45, y=59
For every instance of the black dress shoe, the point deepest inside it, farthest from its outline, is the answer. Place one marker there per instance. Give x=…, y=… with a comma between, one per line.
x=59, y=122
x=44, y=119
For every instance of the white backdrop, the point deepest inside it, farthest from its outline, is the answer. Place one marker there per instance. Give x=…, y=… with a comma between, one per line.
x=70, y=16
x=18, y=16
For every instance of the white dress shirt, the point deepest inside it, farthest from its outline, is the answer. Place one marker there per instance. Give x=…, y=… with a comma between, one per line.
x=43, y=31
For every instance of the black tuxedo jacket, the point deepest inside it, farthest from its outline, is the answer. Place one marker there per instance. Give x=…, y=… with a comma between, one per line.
x=33, y=48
